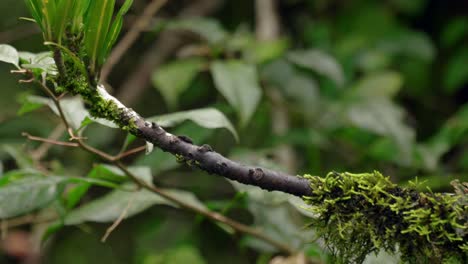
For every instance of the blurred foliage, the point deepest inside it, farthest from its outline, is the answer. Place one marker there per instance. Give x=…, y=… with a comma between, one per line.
x=367, y=85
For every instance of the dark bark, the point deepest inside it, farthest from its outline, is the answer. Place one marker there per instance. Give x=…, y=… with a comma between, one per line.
x=212, y=162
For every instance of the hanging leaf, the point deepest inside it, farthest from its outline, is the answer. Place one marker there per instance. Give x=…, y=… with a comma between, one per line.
x=209, y=29
x=9, y=54
x=384, y=84
x=28, y=194
x=174, y=78
x=319, y=62
x=238, y=83
x=110, y=207
x=207, y=117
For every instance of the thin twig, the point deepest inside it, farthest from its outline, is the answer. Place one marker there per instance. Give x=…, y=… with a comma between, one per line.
x=49, y=141
x=140, y=24
x=119, y=219
x=28, y=219
x=207, y=213
x=129, y=152
x=42, y=150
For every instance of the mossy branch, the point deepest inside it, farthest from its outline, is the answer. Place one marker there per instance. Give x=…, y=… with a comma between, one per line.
x=356, y=214
x=359, y=214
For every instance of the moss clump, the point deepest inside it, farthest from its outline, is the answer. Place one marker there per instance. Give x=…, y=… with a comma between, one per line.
x=77, y=83
x=358, y=214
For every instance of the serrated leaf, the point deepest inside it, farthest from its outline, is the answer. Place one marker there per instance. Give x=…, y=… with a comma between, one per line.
x=206, y=117
x=9, y=54
x=210, y=29
x=28, y=194
x=238, y=83
x=319, y=62
x=174, y=78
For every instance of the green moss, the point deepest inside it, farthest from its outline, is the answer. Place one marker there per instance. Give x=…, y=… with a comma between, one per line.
x=359, y=214
x=77, y=83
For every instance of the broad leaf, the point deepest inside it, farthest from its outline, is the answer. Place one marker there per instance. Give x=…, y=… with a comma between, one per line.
x=28, y=194
x=111, y=206
x=206, y=117
x=238, y=83
x=174, y=78
x=384, y=118
x=453, y=132
x=385, y=84
x=456, y=73
x=9, y=54
x=319, y=62
x=209, y=29
x=74, y=110
x=43, y=62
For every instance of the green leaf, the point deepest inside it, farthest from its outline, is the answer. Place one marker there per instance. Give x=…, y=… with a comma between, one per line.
x=63, y=17
x=456, y=73
x=453, y=132
x=79, y=10
x=179, y=254
x=109, y=207
x=28, y=194
x=35, y=9
x=27, y=106
x=210, y=29
x=385, y=118
x=116, y=26
x=378, y=85
x=49, y=12
x=410, y=44
x=206, y=117
x=454, y=31
x=9, y=54
x=319, y=62
x=97, y=25
x=74, y=110
x=174, y=78
x=238, y=83
x=43, y=61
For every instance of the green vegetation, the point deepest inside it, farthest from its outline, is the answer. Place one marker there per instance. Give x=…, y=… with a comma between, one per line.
x=356, y=86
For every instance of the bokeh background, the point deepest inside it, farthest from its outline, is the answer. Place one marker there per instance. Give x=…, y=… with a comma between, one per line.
x=355, y=85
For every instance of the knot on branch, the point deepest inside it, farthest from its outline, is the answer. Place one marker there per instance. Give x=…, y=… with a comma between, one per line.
x=358, y=214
